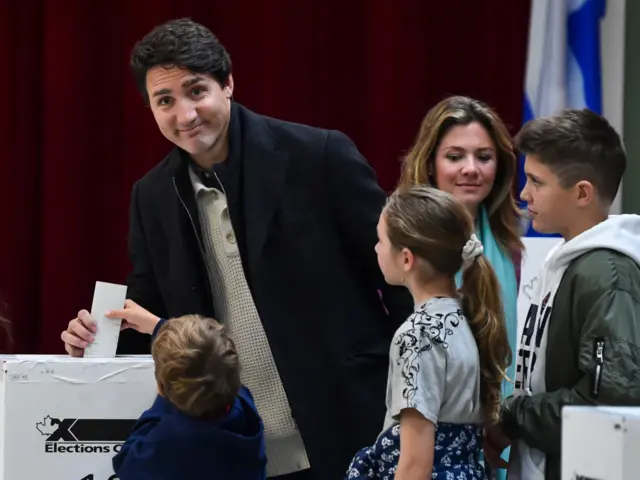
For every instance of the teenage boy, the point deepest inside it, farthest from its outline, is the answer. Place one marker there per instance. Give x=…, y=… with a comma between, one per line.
x=581, y=340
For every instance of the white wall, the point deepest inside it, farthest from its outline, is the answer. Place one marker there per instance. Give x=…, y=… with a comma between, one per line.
x=612, y=32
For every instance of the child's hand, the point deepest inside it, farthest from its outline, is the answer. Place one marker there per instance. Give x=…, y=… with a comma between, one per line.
x=495, y=441
x=136, y=317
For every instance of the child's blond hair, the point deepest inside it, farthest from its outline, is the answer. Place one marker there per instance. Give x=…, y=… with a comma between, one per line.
x=197, y=366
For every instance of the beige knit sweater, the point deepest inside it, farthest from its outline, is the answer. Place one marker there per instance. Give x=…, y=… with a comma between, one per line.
x=236, y=309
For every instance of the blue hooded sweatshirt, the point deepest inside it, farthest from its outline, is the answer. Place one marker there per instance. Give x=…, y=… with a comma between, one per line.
x=167, y=444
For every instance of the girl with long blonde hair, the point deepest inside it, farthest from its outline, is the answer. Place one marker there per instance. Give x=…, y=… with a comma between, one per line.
x=448, y=359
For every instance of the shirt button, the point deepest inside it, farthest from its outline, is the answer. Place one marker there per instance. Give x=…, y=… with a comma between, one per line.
x=231, y=238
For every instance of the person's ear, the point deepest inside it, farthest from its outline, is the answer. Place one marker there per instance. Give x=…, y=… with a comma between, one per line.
x=584, y=192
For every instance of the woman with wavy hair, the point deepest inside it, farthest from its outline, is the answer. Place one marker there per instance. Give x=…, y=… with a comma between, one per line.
x=464, y=148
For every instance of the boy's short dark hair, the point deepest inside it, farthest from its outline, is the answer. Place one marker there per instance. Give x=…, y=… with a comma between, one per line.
x=197, y=365
x=577, y=145
x=180, y=43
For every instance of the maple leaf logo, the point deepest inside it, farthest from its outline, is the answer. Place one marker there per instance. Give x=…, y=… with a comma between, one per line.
x=48, y=426
x=530, y=289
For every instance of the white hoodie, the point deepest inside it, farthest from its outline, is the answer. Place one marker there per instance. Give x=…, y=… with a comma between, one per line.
x=620, y=233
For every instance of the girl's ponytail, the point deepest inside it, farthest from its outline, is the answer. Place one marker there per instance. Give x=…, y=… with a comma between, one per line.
x=482, y=305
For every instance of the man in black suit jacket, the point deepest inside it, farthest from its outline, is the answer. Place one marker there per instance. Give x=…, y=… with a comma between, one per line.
x=301, y=207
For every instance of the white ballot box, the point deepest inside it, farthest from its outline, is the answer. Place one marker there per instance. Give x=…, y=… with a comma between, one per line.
x=601, y=443
x=64, y=418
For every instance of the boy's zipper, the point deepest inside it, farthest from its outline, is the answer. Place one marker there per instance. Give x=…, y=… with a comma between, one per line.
x=599, y=358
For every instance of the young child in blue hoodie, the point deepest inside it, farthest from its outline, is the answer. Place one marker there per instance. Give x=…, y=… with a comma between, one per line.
x=203, y=423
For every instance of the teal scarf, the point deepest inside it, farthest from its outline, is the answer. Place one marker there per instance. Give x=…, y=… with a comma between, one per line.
x=502, y=264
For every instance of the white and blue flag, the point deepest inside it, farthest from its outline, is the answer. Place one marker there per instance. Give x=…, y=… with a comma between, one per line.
x=563, y=61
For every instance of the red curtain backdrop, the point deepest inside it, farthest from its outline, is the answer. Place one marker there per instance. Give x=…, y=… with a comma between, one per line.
x=75, y=134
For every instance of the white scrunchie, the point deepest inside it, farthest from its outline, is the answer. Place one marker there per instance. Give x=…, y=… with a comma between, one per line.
x=471, y=250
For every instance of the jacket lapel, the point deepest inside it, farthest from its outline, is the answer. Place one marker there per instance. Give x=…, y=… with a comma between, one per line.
x=181, y=218
x=263, y=175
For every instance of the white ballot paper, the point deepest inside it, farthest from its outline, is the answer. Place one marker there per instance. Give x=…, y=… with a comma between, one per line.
x=106, y=297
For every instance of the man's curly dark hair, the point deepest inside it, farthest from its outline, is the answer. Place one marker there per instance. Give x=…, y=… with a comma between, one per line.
x=180, y=43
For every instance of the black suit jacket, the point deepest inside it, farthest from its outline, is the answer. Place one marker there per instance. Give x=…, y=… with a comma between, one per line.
x=310, y=205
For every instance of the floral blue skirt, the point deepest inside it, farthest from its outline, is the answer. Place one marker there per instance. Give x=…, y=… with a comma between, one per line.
x=456, y=455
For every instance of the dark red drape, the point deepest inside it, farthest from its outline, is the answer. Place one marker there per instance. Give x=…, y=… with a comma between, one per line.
x=75, y=134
